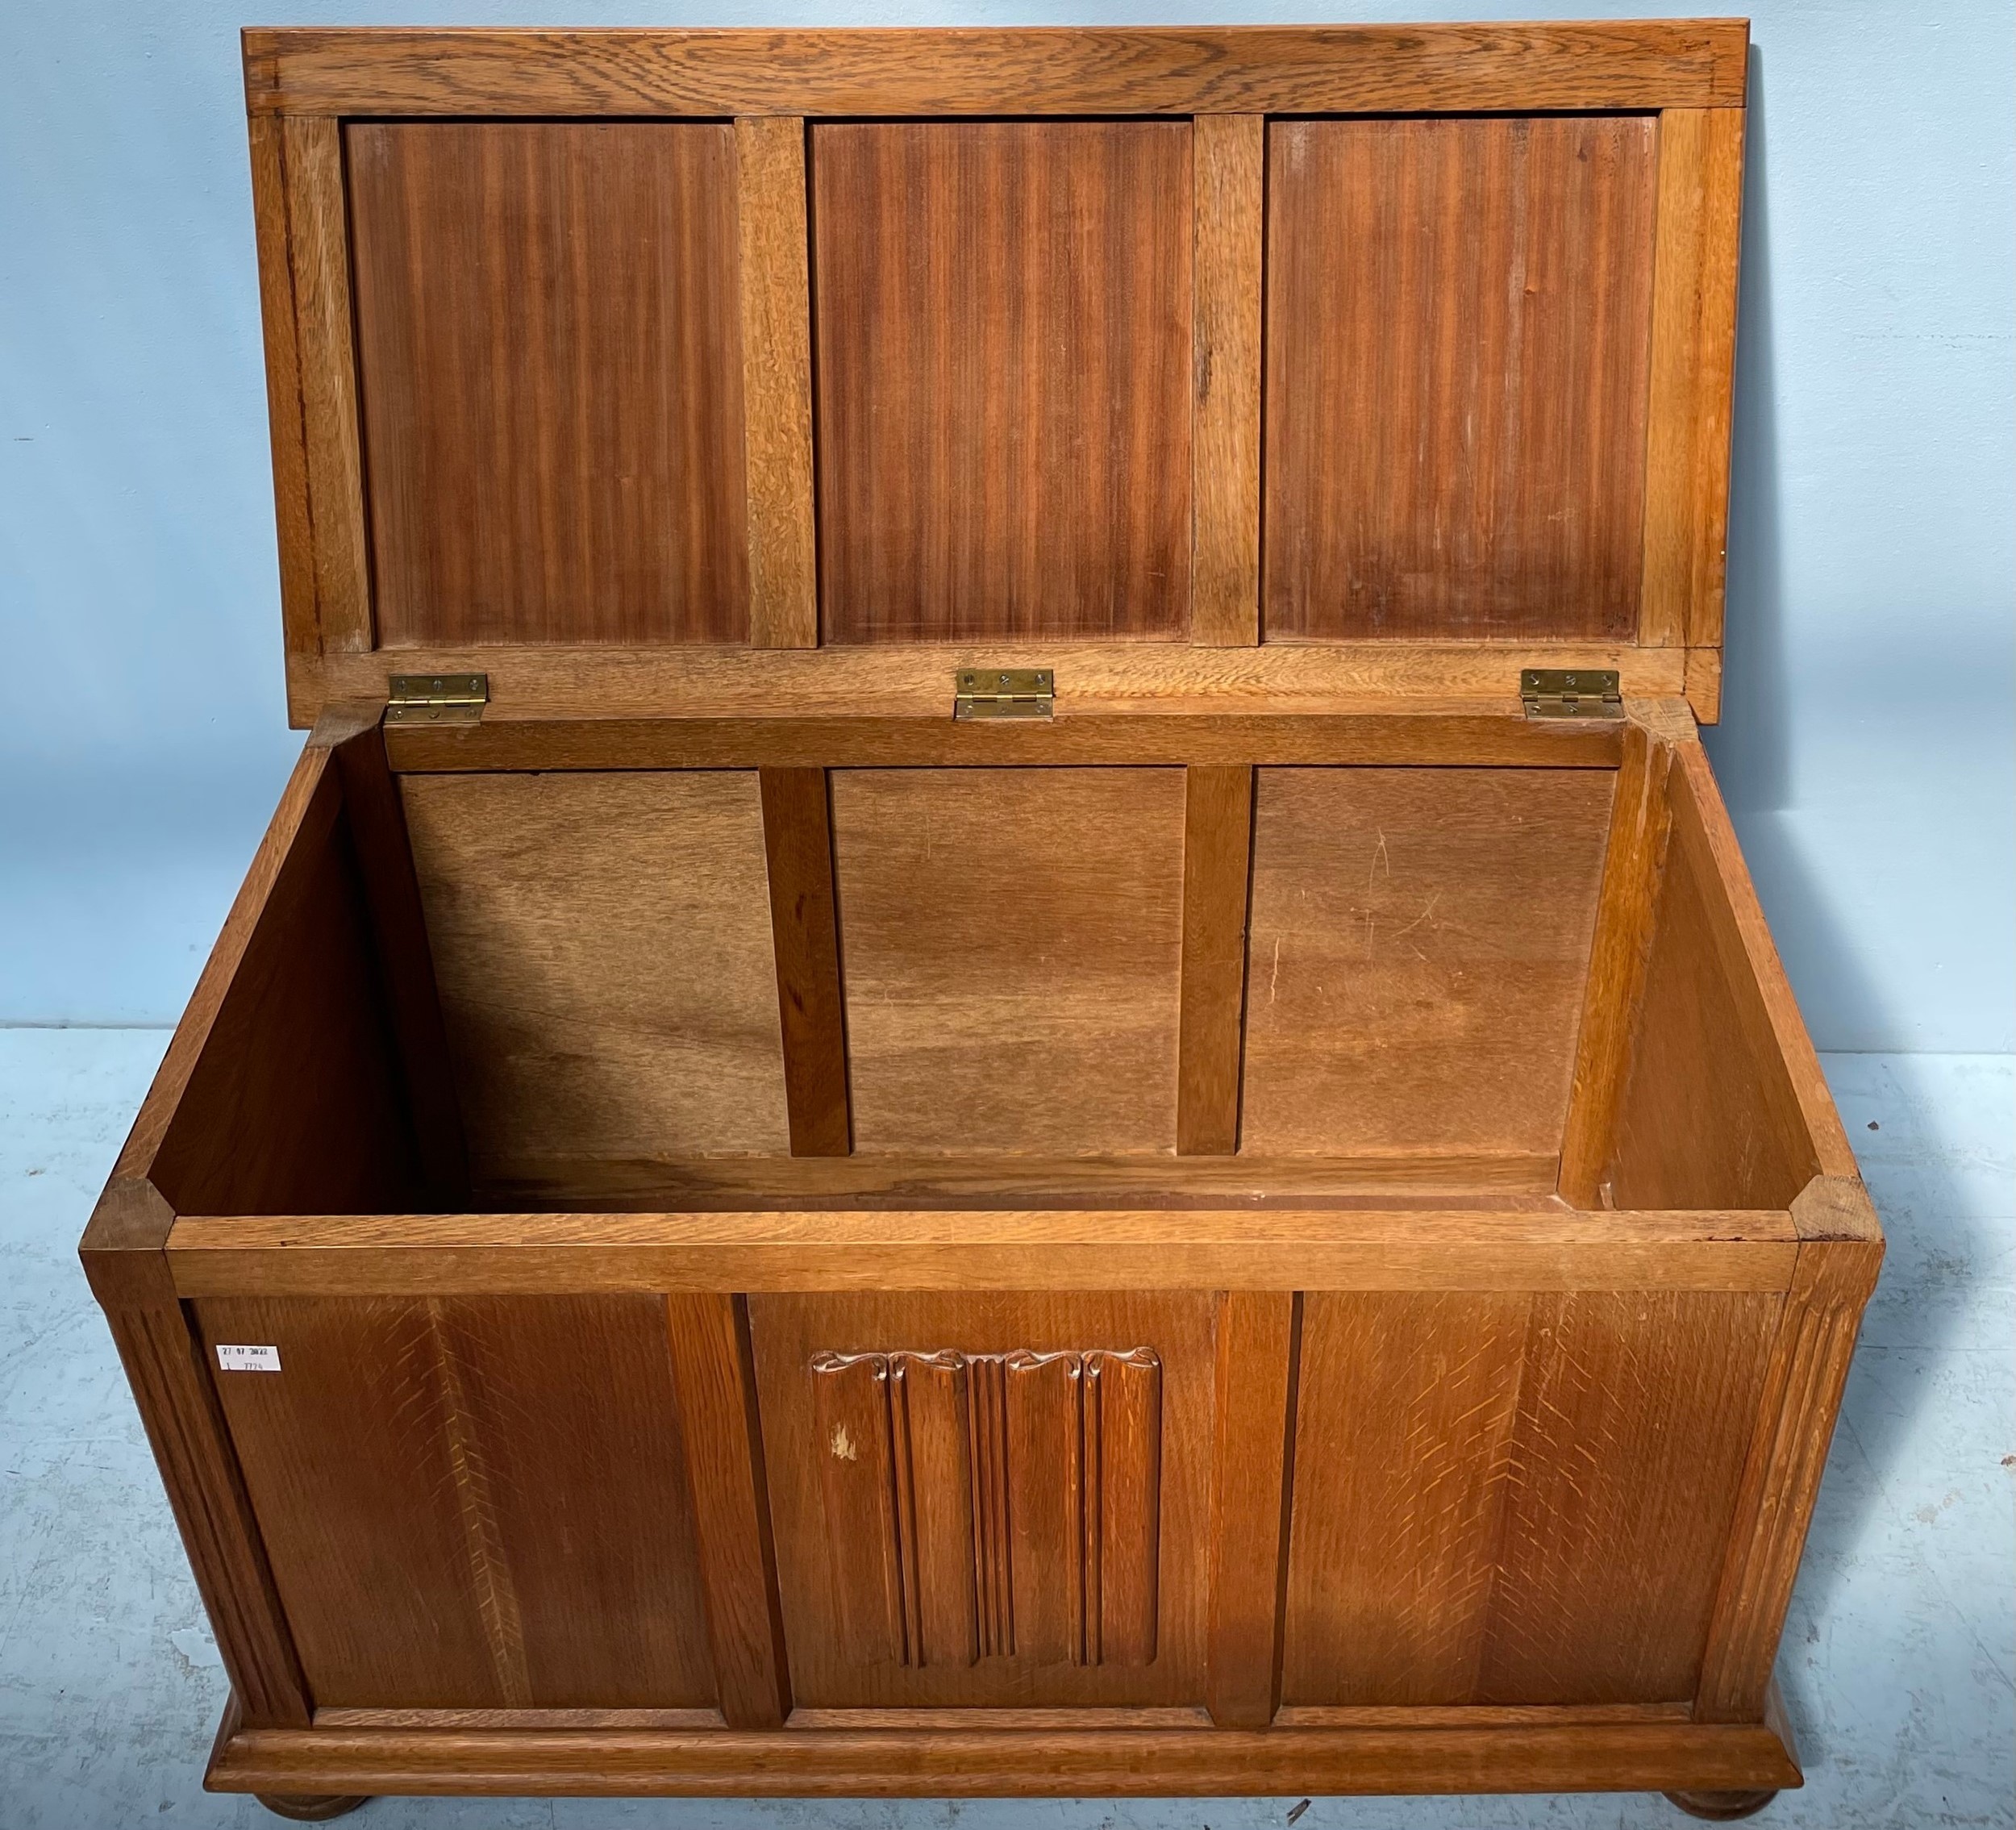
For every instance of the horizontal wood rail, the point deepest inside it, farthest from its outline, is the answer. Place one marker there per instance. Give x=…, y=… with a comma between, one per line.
x=942, y=1762
x=332, y=1255
x=1378, y=69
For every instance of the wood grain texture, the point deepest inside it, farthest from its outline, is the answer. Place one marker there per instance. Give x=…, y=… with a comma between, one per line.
x=797, y=839
x=1077, y=1760
x=958, y=1248
x=604, y=949
x=295, y=1099
x=1471, y=298
x=1838, y=1258
x=1003, y=321
x=1458, y=677
x=1258, y=1353
x=1011, y=942
x=990, y=1505
x=776, y=382
x=547, y=334
x=1725, y=1101
x=319, y=240
x=1503, y=1498
x=1382, y=1179
x=405, y=962
x=1229, y=183
x=1140, y=736
x=712, y=1363
x=1419, y=941
x=1632, y=861
x=1041, y=1525
x=1693, y=375
x=300, y=620
x=168, y=1370
x=1218, y=834
x=471, y=1503
x=1634, y=64
x=122, y=1247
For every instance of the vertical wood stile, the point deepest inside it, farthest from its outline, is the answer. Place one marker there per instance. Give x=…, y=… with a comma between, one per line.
x=171, y=1382
x=317, y=224
x=798, y=841
x=776, y=382
x=1699, y=227
x=1229, y=163
x=1252, y=1482
x=1840, y=1251
x=1218, y=833
x=1640, y=820
x=298, y=619
x=406, y=961
x=713, y=1372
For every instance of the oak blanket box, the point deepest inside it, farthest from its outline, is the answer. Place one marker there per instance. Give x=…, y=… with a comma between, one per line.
x=1003, y=1037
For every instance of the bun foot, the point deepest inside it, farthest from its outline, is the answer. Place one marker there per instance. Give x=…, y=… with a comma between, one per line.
x=1720, y=1807
x=310, y=1807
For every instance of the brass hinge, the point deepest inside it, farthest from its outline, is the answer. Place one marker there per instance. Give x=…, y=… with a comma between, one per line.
x=1004, y=692
x=437, y=698
x=1583, y=692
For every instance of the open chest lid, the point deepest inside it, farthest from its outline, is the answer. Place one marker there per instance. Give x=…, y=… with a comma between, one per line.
x=740, y=373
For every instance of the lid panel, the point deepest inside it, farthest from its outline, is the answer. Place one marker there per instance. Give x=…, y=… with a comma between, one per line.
x=1003, y=314
x=551, y=376
x=1459, y=327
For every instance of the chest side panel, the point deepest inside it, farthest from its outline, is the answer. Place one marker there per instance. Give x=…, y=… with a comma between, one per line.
x=472, y=1502
x=1458, y=341
x=1003, y=314
x=1419, y=940
x=550, y=355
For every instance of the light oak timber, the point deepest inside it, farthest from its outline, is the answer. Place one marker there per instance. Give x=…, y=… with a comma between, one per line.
x=319, y=242
x=1259, y=1337
x=937, y=1763
x=1840, y=1252
x=724, y=1437
x=960, y=1249
x=1704, y=684
x=1217, y=836
x=1228, y=187
x=1636, y=852
x=917, y=678
x=1141, y=736
x=776, y=382
x=1660, y=64
x=124, y=1258
x=1699, y=225
x=406, y=961
x=300, y=620
x=1743, y=939
x=798, y=838
x=1432, y=1178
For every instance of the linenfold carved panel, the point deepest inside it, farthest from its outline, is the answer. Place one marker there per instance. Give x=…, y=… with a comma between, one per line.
x=992, y=1506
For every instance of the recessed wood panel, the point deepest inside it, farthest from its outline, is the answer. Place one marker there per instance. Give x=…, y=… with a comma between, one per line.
x=1003, y=314
x=1515, y=1499
x=546, y=322
x=475, y=1503
x=1420, y=940
x=989, y=1500
x=1011, y=946
x=603, y=947
x=1459, y=331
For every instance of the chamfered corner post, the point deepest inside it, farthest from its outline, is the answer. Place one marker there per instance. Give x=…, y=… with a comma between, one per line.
x=1840, y=1252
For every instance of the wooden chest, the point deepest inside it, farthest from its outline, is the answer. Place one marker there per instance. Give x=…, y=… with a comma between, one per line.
x=1003, y=1036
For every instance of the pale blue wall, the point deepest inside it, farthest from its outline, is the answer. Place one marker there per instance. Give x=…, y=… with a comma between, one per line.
x=1869, y=742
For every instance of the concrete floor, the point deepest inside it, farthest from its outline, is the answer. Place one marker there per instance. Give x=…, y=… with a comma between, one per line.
x=1897, y=1657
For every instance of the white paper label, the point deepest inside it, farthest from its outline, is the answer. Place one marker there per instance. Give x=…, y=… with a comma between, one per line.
x=248, y=1359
